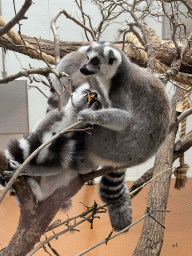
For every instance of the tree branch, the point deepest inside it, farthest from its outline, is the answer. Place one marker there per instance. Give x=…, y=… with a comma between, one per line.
x=41, y=71
x=113, y=236
x=137, y=53
x=175, y=66
x=183, y=144
x=19, y=16
x=159, y=190
x=79, y=23
x=56, y=36
x=14, y=42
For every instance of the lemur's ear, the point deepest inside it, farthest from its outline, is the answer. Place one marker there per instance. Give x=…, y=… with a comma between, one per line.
x=112, y=57
x=83, y=49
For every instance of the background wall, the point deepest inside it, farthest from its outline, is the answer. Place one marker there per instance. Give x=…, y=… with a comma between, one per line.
x=38, y=25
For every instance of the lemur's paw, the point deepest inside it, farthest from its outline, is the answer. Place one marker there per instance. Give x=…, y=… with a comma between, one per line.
x=3, y=181
x=87, y=115
x=120, y=216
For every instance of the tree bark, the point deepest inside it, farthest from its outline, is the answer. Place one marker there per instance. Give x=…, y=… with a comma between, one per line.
x=35, y=218
x=165, y=53
x=151, y=239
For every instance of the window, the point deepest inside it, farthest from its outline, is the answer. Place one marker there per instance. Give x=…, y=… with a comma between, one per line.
x=14, y=108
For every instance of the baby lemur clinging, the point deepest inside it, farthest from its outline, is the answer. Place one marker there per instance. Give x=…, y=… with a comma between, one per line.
x=129, y=125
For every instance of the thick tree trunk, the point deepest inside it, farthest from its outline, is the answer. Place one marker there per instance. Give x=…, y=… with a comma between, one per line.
x=151, y=238
x=35, y=218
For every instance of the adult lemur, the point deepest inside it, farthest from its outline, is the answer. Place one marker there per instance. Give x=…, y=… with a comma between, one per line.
x=129, y=126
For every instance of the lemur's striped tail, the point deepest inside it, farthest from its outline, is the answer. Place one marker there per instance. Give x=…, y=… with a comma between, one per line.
x=113, y=191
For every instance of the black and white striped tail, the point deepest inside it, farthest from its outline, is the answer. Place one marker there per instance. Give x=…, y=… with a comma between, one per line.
x=113, y=190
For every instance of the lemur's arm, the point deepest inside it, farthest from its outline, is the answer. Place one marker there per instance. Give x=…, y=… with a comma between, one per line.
x=112, y=118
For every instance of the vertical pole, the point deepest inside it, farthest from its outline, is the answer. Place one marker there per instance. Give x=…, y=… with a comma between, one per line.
x=3, y=72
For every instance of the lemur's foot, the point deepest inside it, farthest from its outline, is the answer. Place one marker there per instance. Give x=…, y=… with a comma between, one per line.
x=13, y=166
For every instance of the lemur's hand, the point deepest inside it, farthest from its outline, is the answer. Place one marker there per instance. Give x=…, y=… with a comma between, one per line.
x=87, y=115
x=7, y=174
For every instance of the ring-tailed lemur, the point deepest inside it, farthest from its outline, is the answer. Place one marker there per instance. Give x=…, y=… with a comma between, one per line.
x=60, y=155
x=128, y=129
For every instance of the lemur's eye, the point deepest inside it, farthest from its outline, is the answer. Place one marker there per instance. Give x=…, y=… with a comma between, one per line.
x=95, y=61
x=111, y=60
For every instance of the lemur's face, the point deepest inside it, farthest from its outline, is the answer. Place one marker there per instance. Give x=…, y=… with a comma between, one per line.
x=103, y=60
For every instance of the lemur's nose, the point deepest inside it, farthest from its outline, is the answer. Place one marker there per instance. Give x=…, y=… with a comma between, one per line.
x=84, y=70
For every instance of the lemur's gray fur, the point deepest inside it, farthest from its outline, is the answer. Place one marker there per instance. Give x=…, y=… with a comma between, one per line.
x=128, y=129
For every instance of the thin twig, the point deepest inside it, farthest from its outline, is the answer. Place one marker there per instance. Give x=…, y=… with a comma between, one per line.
x=181, y=87
x=79, y=23
x=82, y=215
x=149, y=181
x=26, y=73
x=113, y=236
x=45, y=72
x=33, y=86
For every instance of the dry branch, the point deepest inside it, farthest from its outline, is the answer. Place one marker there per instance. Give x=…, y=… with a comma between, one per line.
x=26, y=73
x=134, y=49
x=176, y=64
x=56, y=37
x=164, y=52
x=183, y=144
x=158, y=193
x=113, y=236
x=19, y=16
x=14, y=41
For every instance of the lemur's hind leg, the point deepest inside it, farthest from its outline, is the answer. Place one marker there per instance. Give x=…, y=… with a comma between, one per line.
x=114, y=191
